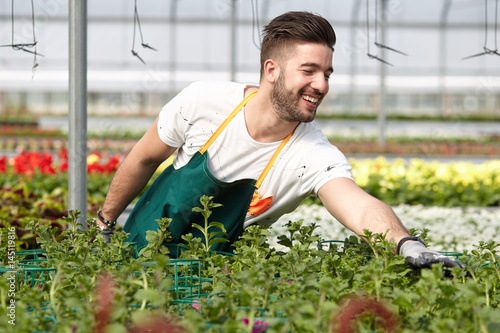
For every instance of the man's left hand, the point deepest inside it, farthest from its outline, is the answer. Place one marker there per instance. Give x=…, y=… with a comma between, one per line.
x=419, y=256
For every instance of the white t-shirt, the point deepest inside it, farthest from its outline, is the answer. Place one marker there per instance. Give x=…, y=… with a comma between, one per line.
x=305, y=164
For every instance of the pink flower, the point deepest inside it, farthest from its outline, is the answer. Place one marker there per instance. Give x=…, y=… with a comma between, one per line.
x=258, y=325
x=196, y=304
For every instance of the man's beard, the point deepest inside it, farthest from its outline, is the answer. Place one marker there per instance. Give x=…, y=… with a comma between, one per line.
x=286, y=103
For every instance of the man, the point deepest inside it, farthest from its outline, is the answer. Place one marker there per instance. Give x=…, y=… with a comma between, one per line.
x=255, y=149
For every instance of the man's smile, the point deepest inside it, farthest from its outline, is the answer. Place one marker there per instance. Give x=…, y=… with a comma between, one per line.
x=310, y=99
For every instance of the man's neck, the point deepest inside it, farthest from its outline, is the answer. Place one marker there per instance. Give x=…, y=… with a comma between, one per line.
x=262, y=123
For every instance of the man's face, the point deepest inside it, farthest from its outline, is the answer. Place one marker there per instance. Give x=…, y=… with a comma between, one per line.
x=302, y=82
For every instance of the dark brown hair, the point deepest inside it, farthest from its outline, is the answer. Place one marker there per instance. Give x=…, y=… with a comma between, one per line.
x=284, y=31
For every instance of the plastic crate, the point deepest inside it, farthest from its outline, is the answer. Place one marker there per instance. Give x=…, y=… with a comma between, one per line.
x=186, y=277
x=35, y=254
x=29, y=268
x=33, y=276
x=328, y=245
x=455, y=255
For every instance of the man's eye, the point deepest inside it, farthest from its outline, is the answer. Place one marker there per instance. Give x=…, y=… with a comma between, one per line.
x=307, y=71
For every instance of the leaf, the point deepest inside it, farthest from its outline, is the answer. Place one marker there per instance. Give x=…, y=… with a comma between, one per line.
x=347, y=274
x=146, y=252
x=152, y=236
x=216, y=233
x=199, y=227
x=494, y=327
x=403, y=300
x=198, y=209
x=215, y=205
x=146, y=295
x=115, y=328
x=285, y=241
x=217, y=240
x=206, y=214
x=164, y=250
x=217, y=225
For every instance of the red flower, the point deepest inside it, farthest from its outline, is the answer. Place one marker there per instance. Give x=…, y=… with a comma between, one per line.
x=63, y=155
x=62, y=158
x=45, y=165
x=113, y=163
x=27, y=163
x=109, y=167
x=22, y=164
x=3, y=164
x=63, y=167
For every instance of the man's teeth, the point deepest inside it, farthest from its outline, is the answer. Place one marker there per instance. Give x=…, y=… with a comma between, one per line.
x=310, y=99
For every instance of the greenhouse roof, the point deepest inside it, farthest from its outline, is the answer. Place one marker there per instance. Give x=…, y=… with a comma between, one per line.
x=194, y=38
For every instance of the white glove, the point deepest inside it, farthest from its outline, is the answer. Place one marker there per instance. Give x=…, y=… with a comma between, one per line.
x=418, y=255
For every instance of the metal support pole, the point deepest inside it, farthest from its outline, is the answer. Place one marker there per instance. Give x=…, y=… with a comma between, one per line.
x=354, y=57
x=445, y=10
x=173, y=44
x=381, y=119
x=77, y=134
x=233, y=41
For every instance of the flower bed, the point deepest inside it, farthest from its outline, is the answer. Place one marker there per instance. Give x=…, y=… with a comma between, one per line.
x=430, y=183
x=80, y=284
x=395, y=182
x=33, y=185
x=448, y=228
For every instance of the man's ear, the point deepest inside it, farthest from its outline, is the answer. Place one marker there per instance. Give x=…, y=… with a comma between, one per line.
x=271, y=70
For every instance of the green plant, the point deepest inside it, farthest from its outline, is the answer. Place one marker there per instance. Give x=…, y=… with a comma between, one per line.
x=156, y=240
x=212, y=237
x=301, y=288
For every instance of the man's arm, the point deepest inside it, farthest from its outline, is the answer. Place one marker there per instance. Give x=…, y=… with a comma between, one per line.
x=358, y=210
x=135, y=171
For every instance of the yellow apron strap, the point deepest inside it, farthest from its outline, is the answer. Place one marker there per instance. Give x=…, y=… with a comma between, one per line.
x=223, y=126
x=224, y=123
x=271, y=162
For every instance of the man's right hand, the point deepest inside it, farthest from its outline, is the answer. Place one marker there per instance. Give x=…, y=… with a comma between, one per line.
x=106, y=234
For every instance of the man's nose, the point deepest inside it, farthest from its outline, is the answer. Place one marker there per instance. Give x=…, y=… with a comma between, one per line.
x=320, y=83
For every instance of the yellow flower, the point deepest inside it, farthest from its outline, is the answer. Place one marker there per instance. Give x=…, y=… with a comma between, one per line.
x=419, y=175
x=92, y=158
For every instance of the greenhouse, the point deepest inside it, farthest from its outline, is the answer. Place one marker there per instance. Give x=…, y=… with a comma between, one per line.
x=412, y=116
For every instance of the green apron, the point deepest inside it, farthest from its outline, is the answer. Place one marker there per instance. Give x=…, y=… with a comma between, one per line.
x=176, y=191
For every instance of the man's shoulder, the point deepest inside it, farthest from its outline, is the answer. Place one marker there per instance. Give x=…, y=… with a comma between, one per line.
x=216, y=85
x=310, y=134
x=210, y=99
x=208, y=92
x=312, y=142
